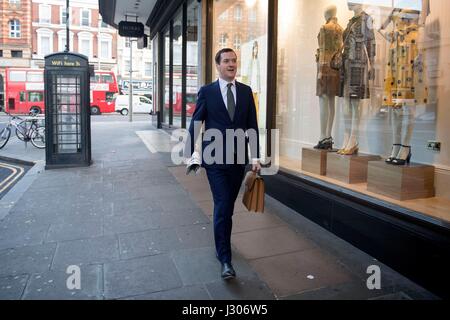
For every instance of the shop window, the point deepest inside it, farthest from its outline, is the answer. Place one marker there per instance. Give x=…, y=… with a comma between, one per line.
x=384, y=105
x=250, y=45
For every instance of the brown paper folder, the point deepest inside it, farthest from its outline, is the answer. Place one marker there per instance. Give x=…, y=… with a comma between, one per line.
x=253, y=198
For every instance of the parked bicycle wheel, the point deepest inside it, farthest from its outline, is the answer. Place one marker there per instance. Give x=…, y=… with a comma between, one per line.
x=38, y=138
x=21, y=133
x=4, y=136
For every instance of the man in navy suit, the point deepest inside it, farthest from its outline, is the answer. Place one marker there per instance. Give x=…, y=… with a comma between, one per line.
x=225, y=105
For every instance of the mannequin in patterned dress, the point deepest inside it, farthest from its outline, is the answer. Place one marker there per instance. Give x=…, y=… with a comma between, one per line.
x=404, y=85
x=328, y=79
x=358, y=57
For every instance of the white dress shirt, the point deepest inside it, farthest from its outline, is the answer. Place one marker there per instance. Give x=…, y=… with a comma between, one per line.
x=224, y=90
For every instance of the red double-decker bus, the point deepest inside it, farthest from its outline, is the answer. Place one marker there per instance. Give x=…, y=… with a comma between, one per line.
x=24, y=91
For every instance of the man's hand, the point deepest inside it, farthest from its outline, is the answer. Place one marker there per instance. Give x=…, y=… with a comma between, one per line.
x=256, y=166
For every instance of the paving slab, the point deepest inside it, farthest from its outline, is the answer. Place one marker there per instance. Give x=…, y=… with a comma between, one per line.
x=140, y=276
x=26, y=260
x=12, y=287
x=52, y=285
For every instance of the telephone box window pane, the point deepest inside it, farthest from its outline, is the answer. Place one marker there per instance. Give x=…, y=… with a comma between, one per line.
x=66, y=114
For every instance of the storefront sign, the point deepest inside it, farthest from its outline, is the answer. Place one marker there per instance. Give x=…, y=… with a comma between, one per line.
x=131, y=29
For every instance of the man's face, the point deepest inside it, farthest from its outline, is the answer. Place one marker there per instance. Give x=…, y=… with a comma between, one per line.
x=228, y=66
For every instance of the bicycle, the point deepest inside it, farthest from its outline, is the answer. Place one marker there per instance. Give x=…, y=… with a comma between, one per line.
x=34, y=133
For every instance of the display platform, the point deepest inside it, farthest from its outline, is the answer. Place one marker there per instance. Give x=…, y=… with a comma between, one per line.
x=349, y=169
x=414, y=181
x=314, y=161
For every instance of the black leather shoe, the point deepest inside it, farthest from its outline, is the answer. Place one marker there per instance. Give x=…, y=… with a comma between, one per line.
x=228, y=271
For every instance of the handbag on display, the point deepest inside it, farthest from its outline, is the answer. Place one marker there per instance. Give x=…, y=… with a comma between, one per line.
x=253, y=198
x=337, y=60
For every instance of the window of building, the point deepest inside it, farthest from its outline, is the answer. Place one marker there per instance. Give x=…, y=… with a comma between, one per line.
x=237, y=41
x=16, y=54
x=85, y=43
x=85, y=17
x=45, y=13
x=105, y=46
x=14, y=29
x=1, y=53
x=147, y=69
x=63, y=15
x=126, y=66
x=224, y=15
x=223, y=40
x=238, y=12
x=15, y=3
x=62, y=40
x=44, y=41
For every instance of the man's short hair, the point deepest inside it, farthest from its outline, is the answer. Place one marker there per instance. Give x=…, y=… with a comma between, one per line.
x=218, y=57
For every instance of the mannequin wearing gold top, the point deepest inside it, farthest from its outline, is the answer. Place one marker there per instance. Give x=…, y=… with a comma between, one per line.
x=358, y=57
x=404, y=85
x=328, y=79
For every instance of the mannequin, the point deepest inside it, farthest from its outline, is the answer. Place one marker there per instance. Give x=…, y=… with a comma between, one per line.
x=254, y=75
x=404, y=85
x=359, y=53
x=328, y=79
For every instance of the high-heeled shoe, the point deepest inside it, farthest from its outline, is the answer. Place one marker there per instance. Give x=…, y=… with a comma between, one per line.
x=390, y=159
x=402, y=162
x=351, y=151
x=325, y=144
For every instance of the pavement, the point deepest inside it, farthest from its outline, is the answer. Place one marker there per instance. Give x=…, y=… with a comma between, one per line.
x=138, y=228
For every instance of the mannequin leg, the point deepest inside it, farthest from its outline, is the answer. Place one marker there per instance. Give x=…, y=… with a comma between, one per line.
x=331, y=113
x=324, y=115
x=347, y=123
x=408, y=125
x=396, y=126
x=356, y=117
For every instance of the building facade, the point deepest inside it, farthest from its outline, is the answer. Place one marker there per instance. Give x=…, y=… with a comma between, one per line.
x=141, y=65
x=88, y=34
x=15, y=37
x=383, y=107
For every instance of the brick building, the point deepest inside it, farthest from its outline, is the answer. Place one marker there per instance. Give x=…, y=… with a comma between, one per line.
x=88, y=35
x=15, y=36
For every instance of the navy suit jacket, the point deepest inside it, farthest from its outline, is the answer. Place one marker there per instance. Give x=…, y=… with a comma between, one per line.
x=211, y=110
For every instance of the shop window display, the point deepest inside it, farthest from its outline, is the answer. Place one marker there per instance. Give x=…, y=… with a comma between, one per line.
x=248, y=37
x=363, y=84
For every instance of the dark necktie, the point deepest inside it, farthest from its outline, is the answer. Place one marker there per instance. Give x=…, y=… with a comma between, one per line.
x=230, y=102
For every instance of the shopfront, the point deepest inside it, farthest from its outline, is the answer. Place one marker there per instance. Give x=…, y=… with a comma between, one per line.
x=358, y=91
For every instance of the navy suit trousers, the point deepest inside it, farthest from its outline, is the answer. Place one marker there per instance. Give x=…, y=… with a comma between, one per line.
x=225, y=184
